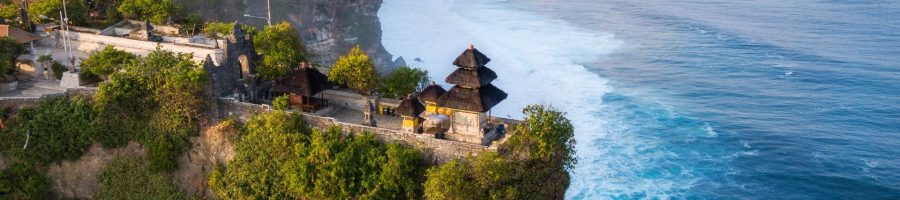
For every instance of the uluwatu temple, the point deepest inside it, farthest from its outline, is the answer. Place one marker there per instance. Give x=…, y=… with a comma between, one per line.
x=462, y=113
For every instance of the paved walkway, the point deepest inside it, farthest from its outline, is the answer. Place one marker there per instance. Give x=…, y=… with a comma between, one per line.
x=35, y=89
x=343, y=114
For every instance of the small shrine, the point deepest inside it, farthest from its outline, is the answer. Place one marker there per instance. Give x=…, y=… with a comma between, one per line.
x=411, y=109
x=302, y=85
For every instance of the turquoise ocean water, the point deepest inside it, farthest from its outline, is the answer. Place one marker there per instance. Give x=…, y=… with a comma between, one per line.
x=689, y=99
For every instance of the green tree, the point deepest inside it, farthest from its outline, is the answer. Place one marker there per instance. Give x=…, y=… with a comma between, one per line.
x=532, y=164
x=161, y=94
x=279, y=157
x=126, y=178
x=403, y=81
x=105, y=62
x=355, y=70
x=265, y=144
x=9, y=51
x=282, y=102
x=156, y=11
x=20, y=181
x=217, y=30
x=280, y=48
x=545, y=134
x=57, y=129
x=76, y=10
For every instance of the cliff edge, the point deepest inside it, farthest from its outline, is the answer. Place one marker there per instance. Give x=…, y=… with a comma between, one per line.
x=329, y=28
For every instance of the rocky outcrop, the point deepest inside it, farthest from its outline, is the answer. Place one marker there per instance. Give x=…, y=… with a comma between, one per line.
x=77, y=179
x=328, y=28
x=211, y=148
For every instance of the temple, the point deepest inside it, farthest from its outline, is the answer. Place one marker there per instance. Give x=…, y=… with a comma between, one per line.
x=467, y=105
x=302, y=85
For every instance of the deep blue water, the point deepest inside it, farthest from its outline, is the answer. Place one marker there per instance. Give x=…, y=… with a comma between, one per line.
x=693, y=99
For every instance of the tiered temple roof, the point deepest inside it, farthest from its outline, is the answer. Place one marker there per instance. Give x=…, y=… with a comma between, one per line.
x=473, y=90
x=432, y=93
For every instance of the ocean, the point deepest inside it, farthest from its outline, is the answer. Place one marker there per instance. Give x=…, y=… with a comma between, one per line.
x=689, y=99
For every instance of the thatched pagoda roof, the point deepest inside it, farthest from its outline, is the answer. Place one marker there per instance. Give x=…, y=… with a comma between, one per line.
x=432, y=93
x=471, y=58
x=410, y=107
x=473, y=99
x=472, y=78
x=306, y=81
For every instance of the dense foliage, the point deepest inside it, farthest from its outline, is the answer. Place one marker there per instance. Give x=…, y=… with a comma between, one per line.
x=9, y=51
x=57, y=69
x=76, y=10
x=355, y=70
x=126, y=178
x=21, y=181
x=280, y=48
x=157, y=100
x=532, y=164
x=155, y=11
x=58, y=128
x=104, y=62
x=9, y=12
x=279, y=157
x=282, y=102
x=403, y=81
x=217, y=29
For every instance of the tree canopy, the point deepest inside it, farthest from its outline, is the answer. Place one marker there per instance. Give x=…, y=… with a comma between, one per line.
x=105, y=62
x=156, y=11
x=280, y=48
x=127, y=178
x=279, y=157
x=531, y=164
x=21, y=181
x=157, y=100
x=402, y=81
x=355, y=70
x=76, y=10
x=57, y=129
x=9, y=51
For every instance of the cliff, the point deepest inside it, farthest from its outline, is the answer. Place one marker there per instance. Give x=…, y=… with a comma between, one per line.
x=328, y=28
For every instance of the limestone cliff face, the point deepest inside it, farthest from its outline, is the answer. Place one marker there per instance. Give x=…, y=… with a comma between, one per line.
x=329, y=28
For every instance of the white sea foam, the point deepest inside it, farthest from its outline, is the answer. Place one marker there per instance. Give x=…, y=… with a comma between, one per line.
x=538, y=61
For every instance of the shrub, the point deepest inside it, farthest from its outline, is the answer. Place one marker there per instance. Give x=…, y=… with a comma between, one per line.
x=57, y=129
x=403, y=81
x=282, y=102
x=20, y=181
x=161, y=94
x=51, y=8
x=9, y=51
x=279, y=157
x=57, y=69
x=105, y=62
x=355, y=70
x=532, y=164
x=126, y=178
x=156, y=11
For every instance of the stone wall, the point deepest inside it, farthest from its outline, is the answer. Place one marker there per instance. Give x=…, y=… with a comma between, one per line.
x=16, y=103
x=88, y=42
